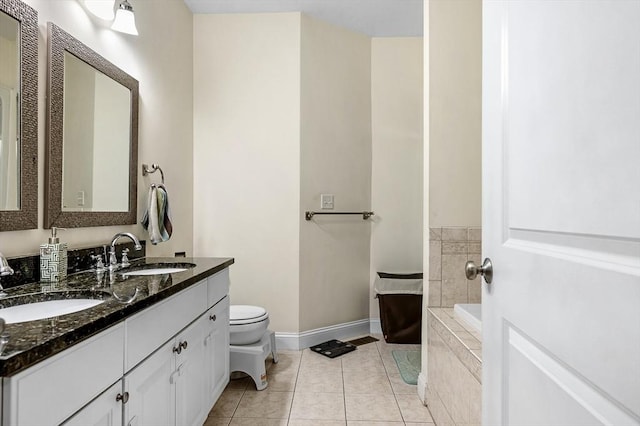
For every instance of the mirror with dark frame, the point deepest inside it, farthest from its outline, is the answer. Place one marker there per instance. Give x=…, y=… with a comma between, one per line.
x=92, y=137
x=18, y=116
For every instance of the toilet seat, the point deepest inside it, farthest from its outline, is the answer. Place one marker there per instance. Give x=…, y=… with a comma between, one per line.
x=247, y=324
x=247, y=314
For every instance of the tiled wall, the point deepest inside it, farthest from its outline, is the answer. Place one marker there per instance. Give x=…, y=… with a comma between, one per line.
x=454, y=374
x=449, y=250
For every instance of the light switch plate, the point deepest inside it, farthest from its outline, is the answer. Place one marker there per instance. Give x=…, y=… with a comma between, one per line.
x=326, y=201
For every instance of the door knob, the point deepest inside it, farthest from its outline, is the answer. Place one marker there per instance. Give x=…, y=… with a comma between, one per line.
x=123, y=397
x=486, y=270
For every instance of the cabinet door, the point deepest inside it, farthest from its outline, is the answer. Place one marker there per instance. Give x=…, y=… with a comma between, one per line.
x=191, y=384
x=217, y=347
x=105, y=410
x=63, y=384
x=151, y=391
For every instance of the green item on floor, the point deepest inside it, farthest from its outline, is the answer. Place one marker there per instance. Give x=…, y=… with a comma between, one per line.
x=408, y=362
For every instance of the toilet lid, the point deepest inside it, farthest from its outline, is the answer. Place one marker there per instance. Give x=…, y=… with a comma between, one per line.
x=246, y=313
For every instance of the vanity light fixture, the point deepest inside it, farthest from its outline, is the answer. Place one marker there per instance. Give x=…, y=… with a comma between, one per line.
x=125, y=21
x=103, y=9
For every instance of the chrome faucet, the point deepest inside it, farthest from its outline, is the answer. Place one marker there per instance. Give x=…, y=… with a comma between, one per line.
x=5, y=270
x=113, y=261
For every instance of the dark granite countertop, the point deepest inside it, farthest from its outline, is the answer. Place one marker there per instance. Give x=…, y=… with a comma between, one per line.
x=33, y=341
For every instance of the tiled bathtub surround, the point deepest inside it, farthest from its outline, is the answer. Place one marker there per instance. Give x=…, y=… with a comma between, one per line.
x=454, y=376
x=449, y=250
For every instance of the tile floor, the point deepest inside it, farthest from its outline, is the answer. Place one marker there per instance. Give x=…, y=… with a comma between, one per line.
x=363, y=387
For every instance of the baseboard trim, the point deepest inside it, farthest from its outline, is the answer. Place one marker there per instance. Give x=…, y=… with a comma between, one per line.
x=298, y=341
x=422, y=387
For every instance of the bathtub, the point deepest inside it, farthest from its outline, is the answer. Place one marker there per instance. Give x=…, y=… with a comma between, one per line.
x=470, y=313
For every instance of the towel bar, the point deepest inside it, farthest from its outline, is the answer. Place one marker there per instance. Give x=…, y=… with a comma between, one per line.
x=146, y=170
x=365, y=215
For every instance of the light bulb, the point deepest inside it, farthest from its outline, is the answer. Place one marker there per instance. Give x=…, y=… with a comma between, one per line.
x=125, y=21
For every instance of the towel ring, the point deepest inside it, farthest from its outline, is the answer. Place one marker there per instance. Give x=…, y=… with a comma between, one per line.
x=146, y=170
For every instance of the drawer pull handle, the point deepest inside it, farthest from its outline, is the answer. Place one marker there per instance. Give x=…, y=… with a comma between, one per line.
x=123, y=397
x=212, y=317
x=180, y=347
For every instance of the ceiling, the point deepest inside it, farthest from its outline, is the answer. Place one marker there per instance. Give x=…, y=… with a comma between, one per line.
x=376, y=18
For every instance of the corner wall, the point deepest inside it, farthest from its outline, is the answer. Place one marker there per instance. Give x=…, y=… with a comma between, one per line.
x=283, y=114
x=453, y=151
x=455, y=86
x=161, y=61
x=426, y=208
x=247, y=155
x=455, y=148
x=335, y=159
x=397, y=163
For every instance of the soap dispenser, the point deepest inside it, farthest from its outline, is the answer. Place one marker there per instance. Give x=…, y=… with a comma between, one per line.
x=53, y=259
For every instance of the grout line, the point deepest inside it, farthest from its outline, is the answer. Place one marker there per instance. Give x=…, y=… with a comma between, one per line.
x=344, y=391
x=295, y=385
x=239, y=400
x=393, y=392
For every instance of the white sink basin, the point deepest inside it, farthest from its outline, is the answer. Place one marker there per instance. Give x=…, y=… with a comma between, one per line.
x=48, y=309
x=154, y=271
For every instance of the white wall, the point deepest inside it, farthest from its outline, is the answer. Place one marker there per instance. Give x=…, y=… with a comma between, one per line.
x=452, y=119
x=160, y=58
x=247, y=155
x=426, y=207
x=255, y=148
x=455, y=82
x=335, y=159
x=282, y=115
x=397, y=163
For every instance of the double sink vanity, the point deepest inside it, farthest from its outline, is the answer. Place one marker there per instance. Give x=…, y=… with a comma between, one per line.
x=151, y=348
x=145, y=345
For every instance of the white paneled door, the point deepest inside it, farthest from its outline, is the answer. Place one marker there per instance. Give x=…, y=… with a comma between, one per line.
x=561, y=212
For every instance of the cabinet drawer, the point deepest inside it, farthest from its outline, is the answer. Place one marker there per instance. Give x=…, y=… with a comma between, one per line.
x=54, y=389
x=218, y=287
x=149, y=329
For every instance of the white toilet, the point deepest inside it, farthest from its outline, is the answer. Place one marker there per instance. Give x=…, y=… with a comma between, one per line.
x=251, y=342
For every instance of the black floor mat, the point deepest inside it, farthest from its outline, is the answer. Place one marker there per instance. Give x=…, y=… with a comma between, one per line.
x=363, y=341
x=333, y=348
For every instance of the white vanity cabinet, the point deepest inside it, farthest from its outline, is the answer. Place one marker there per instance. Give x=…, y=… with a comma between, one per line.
x=154, y=396
x=179, y=383
x=169, y=387
x=187, y=375
x=165, y=365
x=217, y=350
x=105, y=410
x=192, y=404
x=54, y=389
